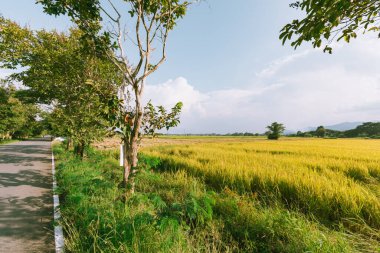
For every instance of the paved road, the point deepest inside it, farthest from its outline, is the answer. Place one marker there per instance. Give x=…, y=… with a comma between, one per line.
x=26, y=206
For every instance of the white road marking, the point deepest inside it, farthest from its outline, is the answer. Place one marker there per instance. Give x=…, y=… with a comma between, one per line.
x=58, y=232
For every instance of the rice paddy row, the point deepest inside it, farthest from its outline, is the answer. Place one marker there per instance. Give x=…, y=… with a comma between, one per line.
x=337, y=181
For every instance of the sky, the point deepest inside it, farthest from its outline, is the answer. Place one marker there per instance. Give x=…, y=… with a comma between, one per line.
x=227, y=65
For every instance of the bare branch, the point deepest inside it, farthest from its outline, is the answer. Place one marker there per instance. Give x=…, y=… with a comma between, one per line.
x=148, y=69
x=143, y=54
x=118, y=65
x=158, y=27
x=114, y=8
x=108, y=15
x=139, y=43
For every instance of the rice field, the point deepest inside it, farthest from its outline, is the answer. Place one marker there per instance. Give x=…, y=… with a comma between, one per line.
x=336, y=181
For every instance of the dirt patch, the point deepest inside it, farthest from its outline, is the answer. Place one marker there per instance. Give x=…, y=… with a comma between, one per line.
x=114, y=142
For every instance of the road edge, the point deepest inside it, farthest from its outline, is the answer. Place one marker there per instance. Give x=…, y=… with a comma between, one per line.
x=58, y=231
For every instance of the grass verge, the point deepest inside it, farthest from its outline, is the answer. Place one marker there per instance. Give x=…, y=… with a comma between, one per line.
x=2, y=142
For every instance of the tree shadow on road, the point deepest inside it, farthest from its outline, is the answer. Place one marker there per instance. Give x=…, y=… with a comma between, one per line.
x=24, y=154
x=26, y=201
x=27, y=149
x=26, y=177
x=30, y=220
x=17, y=160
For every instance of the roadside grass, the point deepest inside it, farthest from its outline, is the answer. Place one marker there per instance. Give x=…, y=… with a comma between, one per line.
x=173, y=211
x=7, y=141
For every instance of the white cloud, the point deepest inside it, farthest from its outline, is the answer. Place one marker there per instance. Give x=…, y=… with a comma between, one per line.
x=173, y=91
x=305, y=89
x=274, y=66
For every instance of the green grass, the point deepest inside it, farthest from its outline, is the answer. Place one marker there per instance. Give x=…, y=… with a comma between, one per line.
x=176, y=212
x=7, y=141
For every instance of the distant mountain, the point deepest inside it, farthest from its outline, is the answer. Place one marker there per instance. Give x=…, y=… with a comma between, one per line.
x=344, y=126
x=338, y=127
x=287, y=132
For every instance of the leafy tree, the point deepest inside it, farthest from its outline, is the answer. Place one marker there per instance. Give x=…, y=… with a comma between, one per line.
x=370, y=129
x=31, y=126
x=60, y=72
x=275, y=131
x=106, y=28
x=3, y=112
x=157, y=118
x=327, y=21
x=320, y=132
x=17, y=119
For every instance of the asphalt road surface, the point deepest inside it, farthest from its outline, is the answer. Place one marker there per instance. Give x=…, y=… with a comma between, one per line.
x=26, y=204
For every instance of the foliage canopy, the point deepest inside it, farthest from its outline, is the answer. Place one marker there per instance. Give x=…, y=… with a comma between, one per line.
x=330, y=20
x=275, y=130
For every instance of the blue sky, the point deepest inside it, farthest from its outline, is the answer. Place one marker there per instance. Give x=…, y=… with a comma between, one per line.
x=226, y=64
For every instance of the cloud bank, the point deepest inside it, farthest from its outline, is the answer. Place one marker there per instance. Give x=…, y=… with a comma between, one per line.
x=308, y=88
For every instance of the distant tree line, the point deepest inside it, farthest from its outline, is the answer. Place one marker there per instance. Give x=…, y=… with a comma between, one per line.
x=366, y=130
x=242, y=134
x=275, y=130
x=216, y=134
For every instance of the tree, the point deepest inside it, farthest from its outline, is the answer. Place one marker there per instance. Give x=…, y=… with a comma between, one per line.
x=327, y=21
x=4, y=110
x=370, y=129
x=275, y=130
x=107, y=27
x=59, y=71
x=17, y=119
x=320, y=132
x=157, y=118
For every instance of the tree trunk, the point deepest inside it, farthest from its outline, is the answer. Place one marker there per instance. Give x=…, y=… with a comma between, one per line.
x=130, y=164
x=131, y=148
x=134, y=161
x=127, y=164
x=68, y=143
x=79, y=149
